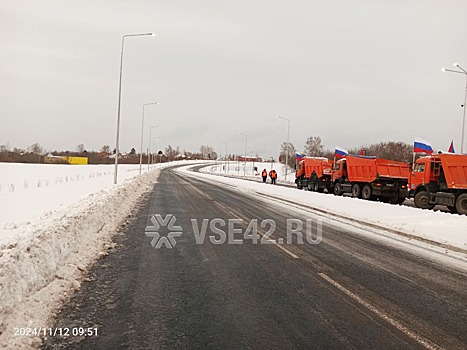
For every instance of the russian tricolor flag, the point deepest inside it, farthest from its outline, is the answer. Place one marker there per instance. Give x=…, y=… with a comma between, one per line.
x=340, y=152
x=299, y=156
x=451, y=148
x=422, y=146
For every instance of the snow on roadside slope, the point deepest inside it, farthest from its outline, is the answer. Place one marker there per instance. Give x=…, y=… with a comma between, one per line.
x=42, y=261
x=29, y=191
x=444, y=228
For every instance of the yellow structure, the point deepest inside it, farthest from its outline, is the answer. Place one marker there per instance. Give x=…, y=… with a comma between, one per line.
x=76, y=160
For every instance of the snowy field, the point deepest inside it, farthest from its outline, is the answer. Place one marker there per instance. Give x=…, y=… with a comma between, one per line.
x=31, y=191
x=52, y=232
x=440, y=227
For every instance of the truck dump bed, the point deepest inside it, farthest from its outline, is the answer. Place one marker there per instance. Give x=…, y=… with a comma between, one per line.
x=455, y=170
x=322, y=166
x=368, y=169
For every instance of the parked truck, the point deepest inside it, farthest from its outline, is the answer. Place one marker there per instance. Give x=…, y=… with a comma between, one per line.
x=322, y=168
x=371, y=178
x=440, y=179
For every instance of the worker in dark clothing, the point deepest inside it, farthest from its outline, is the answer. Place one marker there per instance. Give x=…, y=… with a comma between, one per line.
x=264, y=175
x=273, y=175
x=314, y=181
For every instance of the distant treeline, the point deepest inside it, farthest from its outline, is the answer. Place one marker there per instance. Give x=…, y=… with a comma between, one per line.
x=37, y=154
x=393, y=150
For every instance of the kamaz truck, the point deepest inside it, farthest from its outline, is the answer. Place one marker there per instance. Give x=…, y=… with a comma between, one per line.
x=440, y=179
x=371, y=178
x=322, y=168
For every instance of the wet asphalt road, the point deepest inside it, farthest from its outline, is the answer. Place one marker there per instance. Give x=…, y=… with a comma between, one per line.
x=348, y=292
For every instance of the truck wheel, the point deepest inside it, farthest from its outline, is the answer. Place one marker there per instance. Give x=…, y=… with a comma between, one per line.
x=400, y=200
x=461, y=204
x=299, y=186
x=337, y=189
x=395, y=199
x=356, y=191
x=366, y=192
x=422, y=200
x=310, y=188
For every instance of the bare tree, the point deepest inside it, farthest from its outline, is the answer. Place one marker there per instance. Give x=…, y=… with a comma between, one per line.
x=291, y=151
x=171, y=152
x=80, y=148
x=313, y=147
x=36, y=148
x=105, y=148
x=393, y=150
x=208, y=152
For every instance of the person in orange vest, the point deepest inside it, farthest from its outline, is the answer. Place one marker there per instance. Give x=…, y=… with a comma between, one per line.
x=273, y=176
x=264, y=174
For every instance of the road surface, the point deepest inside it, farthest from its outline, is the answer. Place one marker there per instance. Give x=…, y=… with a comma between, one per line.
x=348, y=292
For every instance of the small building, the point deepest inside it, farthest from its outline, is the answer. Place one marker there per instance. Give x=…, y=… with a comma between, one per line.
x=76, y=160
x=51, y=159
x=248, y=159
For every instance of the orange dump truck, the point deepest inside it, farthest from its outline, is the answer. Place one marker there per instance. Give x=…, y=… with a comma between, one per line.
x=322, y=168
x=371, y=178
x=440, y=179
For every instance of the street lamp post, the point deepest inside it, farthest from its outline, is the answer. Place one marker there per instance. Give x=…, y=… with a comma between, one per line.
x=246, y=142
x=225, y=160
x=142, y=131
x=149, y=142
x=119, y=102
x=462, y=71
x=287, y=148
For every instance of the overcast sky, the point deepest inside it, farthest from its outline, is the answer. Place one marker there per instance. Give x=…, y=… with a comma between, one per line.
x=353, y=72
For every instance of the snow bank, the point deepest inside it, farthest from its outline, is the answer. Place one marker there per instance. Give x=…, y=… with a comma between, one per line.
x=30, y=191
x=443, y=228
x=43, y=260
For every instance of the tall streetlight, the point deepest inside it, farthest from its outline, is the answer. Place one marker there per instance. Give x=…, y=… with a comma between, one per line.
x=142, y=130
x=462, y=71
x=246, y=142
x=149, y=142
x=225, y=160
x=287, y=148
x=119, y=102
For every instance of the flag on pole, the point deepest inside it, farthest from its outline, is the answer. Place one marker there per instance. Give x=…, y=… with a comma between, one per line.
x=422, y=146
x=451, y=148
x=298, y=156
x=340, y=152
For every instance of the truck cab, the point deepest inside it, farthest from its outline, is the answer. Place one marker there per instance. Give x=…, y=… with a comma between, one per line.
x=426, y=172
x=339, y=170
x=440, y=180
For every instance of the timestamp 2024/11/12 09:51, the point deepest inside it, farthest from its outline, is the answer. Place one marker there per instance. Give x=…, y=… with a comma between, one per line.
x=56, y=332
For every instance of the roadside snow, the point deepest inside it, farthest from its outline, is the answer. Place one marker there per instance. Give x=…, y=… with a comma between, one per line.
x=30, y=191
x=242, y=170
x=443, y=228
x=42, y=261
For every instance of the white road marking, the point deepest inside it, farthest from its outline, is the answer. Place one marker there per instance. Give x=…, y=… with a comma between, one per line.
x=273, y=241
x=419, y=339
